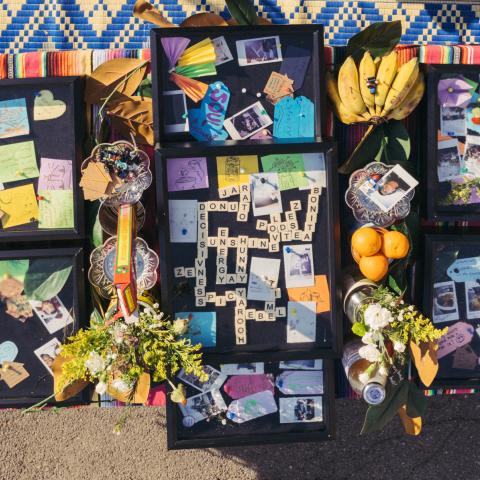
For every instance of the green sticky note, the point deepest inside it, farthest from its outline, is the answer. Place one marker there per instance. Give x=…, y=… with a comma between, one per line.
x=18, y=162
x=290, y=169
x=56, y=208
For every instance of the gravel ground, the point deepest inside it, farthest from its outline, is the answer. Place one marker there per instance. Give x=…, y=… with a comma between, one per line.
x=79, y=444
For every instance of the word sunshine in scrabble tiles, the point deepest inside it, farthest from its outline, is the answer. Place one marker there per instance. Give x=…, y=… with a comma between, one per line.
x=276, y=248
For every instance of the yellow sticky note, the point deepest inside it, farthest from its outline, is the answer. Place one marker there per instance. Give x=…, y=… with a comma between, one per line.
x=318, y=293
x=19, y=204
x=235, y=170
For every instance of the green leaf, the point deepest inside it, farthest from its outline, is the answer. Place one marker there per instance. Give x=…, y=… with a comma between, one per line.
x=379, y=38
x=243, y=11
x=416, y=401
x=46, y=277
x=358, y=328
x=392, y=283
x=145, y=88
x=396, y=143
x=14, y=268
x=97, y=233
x=379, y=415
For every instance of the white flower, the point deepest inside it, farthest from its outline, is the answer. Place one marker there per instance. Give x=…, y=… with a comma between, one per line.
x=377, y=317
x=364, y=377
x=411, y=307
x=370, y=353
x=368, y=338
x=156, y=305
x=101, y=388
x=399, y=347
x=401, y=302
x=180, y=326
x=118, y=332
x=382, y=371
x=120, y=385
x=95, y=363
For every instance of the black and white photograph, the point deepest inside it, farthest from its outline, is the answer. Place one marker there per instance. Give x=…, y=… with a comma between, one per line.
x=204, y=405
x=453, y=121
x=301, y=322
x=48, y=352
x=390, y=189
x=52, y=313
x=215, y=379
x=255, y=368
x=263, y=279
x=301, y=409
x=302, y=364
x=471, y=157
x=472, y=299
x=298, y=264
x=247, y=122
x=259, y=50
x=445, y=305
x=265, y=192
x=449, y=164
x=222, y=52
x=175, y=111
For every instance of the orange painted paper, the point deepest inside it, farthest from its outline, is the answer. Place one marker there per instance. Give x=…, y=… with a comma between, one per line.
x=318, y=293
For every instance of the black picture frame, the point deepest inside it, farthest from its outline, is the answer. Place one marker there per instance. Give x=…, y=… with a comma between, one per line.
x=432, y=197
x=433, y=246
x=315, y=31
x=256, y=436
x=75, y=87
x=79, y=308
x=248, y=353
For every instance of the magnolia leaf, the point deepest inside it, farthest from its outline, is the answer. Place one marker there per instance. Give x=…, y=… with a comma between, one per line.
x=140, y=395
x=46, y=277
x=416, y=401
x=204, y=19
x=97, y=233
x=358, y=328
x=379, y=415
x=243, y=11
x=425, y=359
x=412, y=426
x=260, y=21
x=378, y=38
x=112, y=75
x=366, y=151
x=396, y=143
x=145, y=88
x=393, y=285
x=134, y=116
x=147, y=12
x=14, y=269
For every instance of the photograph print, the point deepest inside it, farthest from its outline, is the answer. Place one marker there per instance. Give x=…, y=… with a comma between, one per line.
x=471, y=157
x=247, y=122
x=255, y=51
x=453, y=122
x=215, y=379
x=449, y=165
x=48, y=353
x=301, y=409
x=298, y=265
x=472, y=299
x=254, y=368
x=52, y=313
x=203, y=405
x=265, y=192
x=222, y=52
x=445, y=306
x=302, y=364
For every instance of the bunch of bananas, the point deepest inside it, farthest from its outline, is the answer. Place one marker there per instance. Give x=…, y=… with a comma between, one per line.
x=377, y=90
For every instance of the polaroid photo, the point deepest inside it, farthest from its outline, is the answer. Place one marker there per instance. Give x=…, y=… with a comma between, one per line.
x=263, y=279
x=254, y=51
x=315, y=173
x=215, y=379
x=301, y=365
x=453, y=121
x=298, y=266
x=301, y=409
x=202, y=327
x=222, y=52
x=175, y=117
x=449, y=164
x=247, y=122
x=13, y=118
x=471, y=156
x=390, y=189
x=203, y=405
x=242, y=368
x=445, y=305
x=52, y=313
x=183, y=221
x=472, y=299
x=301, y=322
x=265, y=194
x=48, y=352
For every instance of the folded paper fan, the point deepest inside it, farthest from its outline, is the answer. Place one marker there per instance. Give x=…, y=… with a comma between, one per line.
x=193, y=71
x=201, y=52
x=193, y=88
x=174, y=47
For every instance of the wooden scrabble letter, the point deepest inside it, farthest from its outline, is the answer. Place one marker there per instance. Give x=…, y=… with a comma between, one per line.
x=179, y=272
x=220, y=301
x=281, y=312
x=295, y=205
x=200, y=302
x=262, y=225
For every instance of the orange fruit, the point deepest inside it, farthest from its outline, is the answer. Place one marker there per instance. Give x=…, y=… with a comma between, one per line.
x=366, y=241
x=395, y=245
x=374, y=267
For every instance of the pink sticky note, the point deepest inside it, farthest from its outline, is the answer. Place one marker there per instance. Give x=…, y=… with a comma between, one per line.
x=458, y=335
x=187, y=173
x=55, y=174
x=240, y=386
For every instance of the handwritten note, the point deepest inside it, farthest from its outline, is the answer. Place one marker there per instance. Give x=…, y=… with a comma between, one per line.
x=13, y=373
x=18, y=162
x=235, y=170
x=56, y=209
x=55, y=174
x=19, y=205
x=13, y=118
x=318, y=293
x=187, y=173
x=290, y=169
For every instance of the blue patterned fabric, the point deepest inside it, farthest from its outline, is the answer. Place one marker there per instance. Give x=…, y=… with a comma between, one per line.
x=28, y=25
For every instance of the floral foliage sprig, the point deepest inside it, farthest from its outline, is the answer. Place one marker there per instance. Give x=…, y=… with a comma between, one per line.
x=460, y=193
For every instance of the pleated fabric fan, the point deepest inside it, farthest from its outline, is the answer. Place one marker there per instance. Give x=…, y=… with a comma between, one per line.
x=186, y=64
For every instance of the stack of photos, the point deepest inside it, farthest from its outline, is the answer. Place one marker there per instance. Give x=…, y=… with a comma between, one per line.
x=458, y=152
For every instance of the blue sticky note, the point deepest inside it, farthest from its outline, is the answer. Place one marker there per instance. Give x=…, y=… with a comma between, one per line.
x=13, y=118
x=8, y=351
x=202, y=327
x=294, y=118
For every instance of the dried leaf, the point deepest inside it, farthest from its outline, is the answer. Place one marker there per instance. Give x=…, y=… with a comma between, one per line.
x=109, y=75
x=412, y=426
x=134, y=116
x=205, y=19
x=425, y=359
x=147, y=12
x=70, y=390
x=142, y=390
